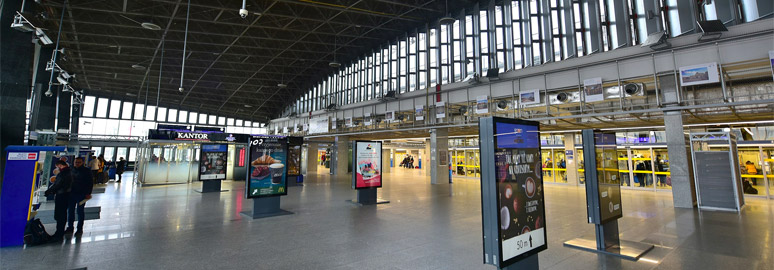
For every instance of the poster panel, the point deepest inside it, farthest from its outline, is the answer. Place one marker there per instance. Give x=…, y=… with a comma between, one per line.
x=389, y=116
x=699, y=74
x=368, y=164
x=268, y=167
x=294, y=156
x=519, y=187
x=482, y=104
x=213, y=162
x=318, y=125
x=333, y=123
x=608, y=177
x=419, y=113
x=592, y=88
x=367, y=119
x=440, y=109
x=528, y=97
x=348, y=121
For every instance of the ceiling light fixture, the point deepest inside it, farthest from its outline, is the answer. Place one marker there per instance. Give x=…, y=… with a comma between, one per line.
x=282, y=85
x=248, y=106
x=335, y=64
x=150, y=26
x=446, y=20
x=138, y=67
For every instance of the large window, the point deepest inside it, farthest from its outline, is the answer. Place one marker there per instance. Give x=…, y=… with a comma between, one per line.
x=127, y=110
x=102, y=107
x=115, y=108
x=88, y=106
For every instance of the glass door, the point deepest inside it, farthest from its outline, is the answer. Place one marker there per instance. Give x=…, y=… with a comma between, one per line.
x=642, y=162
x=767, y=153
x=751, y=165
x=624, y=165
x=661, y=169
x=548, y=165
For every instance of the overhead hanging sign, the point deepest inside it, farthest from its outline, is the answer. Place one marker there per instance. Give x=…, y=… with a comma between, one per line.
x=367, y=164
x=699, y=74
x=592, y=88
x=213, y=162
x=268, y=160
x=482, y=104
x=419, y=113
x=512, y=189
x=440, y=109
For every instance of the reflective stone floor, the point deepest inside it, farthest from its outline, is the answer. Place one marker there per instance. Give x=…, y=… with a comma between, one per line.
x=424, y=227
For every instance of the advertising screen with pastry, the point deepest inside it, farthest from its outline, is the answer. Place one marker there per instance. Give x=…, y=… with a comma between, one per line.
x=267, y=175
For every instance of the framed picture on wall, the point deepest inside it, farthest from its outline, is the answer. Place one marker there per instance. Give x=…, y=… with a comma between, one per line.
x=528, y=97
x=699, y=74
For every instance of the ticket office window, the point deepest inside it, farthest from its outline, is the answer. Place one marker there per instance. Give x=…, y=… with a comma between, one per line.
x=661, y=168
x=642, y=162
x=472, y=165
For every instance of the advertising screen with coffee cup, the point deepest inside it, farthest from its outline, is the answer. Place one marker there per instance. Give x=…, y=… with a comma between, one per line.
x=519, y=189
x=368, y=164
x=213, y=162
x=267, y=175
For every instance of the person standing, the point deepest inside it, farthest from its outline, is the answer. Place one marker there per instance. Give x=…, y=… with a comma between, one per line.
x=81, y=189
x=101, y=169
x=94, y=166
x=120, y=167
x=61, y=187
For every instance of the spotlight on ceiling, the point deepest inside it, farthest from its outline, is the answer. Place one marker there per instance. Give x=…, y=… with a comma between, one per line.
x=48, y=93
x=248, y=106
x=138, y=67
x=282, y=85
x=131, y=95
x=181, y=89
x=43, y=37
x=21, y=23
x=150, y=26
x=334, y=64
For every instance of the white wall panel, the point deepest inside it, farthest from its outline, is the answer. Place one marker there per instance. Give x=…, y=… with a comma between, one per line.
x=562, y=79
x=457, y=96
x=479, y=90
x=393, y=106
x=502, y=89
x=535, y=82
x=638, y=67
x=606, y=72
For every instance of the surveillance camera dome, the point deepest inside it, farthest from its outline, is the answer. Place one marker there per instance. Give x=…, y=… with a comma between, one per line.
x=631, y=88
x=243, y=13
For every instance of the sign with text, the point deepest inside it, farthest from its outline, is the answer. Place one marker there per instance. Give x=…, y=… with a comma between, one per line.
x=367, y=164
x=268, y=173
x=440, y=109
x=419, y=113
x=482, y=104
x=213, y=162
x=512, y=190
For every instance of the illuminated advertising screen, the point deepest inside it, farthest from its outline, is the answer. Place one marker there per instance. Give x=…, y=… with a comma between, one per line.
x=368, y=164
x=213, y=162
x=608, y=177
x=519, y=188
x=267, y=175
x=294, y=155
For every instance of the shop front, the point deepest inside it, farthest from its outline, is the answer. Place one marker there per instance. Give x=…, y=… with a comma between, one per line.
x=172, y=156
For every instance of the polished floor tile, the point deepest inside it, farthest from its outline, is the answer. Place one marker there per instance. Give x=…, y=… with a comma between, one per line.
x=423, y=227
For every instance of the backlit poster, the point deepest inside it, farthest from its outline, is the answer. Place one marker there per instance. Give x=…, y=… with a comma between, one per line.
x=519, y=186
x=267, y=175
x=213, y=162
x=440, y=109
x=368, y=164
x=482, y=105
x=419, y=113
x=294, y=155
x=592, y=88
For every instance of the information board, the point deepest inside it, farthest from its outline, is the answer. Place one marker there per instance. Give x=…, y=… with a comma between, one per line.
x=268, y=173
x=608, y=177
x=512, y=190
x=367, y=159
x=213, y=162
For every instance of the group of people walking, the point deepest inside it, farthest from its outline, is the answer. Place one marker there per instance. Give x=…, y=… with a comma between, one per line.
x=408, y=162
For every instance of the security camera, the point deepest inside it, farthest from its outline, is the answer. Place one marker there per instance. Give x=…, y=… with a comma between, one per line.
x=243, y=13
x=181, y=89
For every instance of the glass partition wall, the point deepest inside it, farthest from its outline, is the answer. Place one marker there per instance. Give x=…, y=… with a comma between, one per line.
x=167, y=162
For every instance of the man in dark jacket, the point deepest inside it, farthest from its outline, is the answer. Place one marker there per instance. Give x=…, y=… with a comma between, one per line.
x=81, y=189
x=120, y=167
x=61, y=187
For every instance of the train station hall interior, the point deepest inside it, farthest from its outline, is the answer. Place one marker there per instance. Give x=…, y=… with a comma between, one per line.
x=387, y=134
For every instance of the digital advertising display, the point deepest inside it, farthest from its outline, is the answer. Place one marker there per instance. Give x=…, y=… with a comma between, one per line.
x=608, y=177
x=213, y=162
x=368, y=164
x=268, y=171
x=513, y=207
x=294, y=155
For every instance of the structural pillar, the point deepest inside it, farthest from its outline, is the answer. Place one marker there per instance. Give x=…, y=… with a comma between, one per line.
x=386, y=154
x=571, y=158
x=683, y=190
x=439, y=156
x=340, y=154
x=425, y=156
x=310, y=162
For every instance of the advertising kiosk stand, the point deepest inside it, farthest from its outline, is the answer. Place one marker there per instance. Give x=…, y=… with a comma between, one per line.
x=603, y=199
x=367, y=172
x=267, y=178
x=512, y=204
x=213, y=162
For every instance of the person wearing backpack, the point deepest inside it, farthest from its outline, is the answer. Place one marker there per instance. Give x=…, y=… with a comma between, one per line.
x=81, y=189
x=61, y=187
